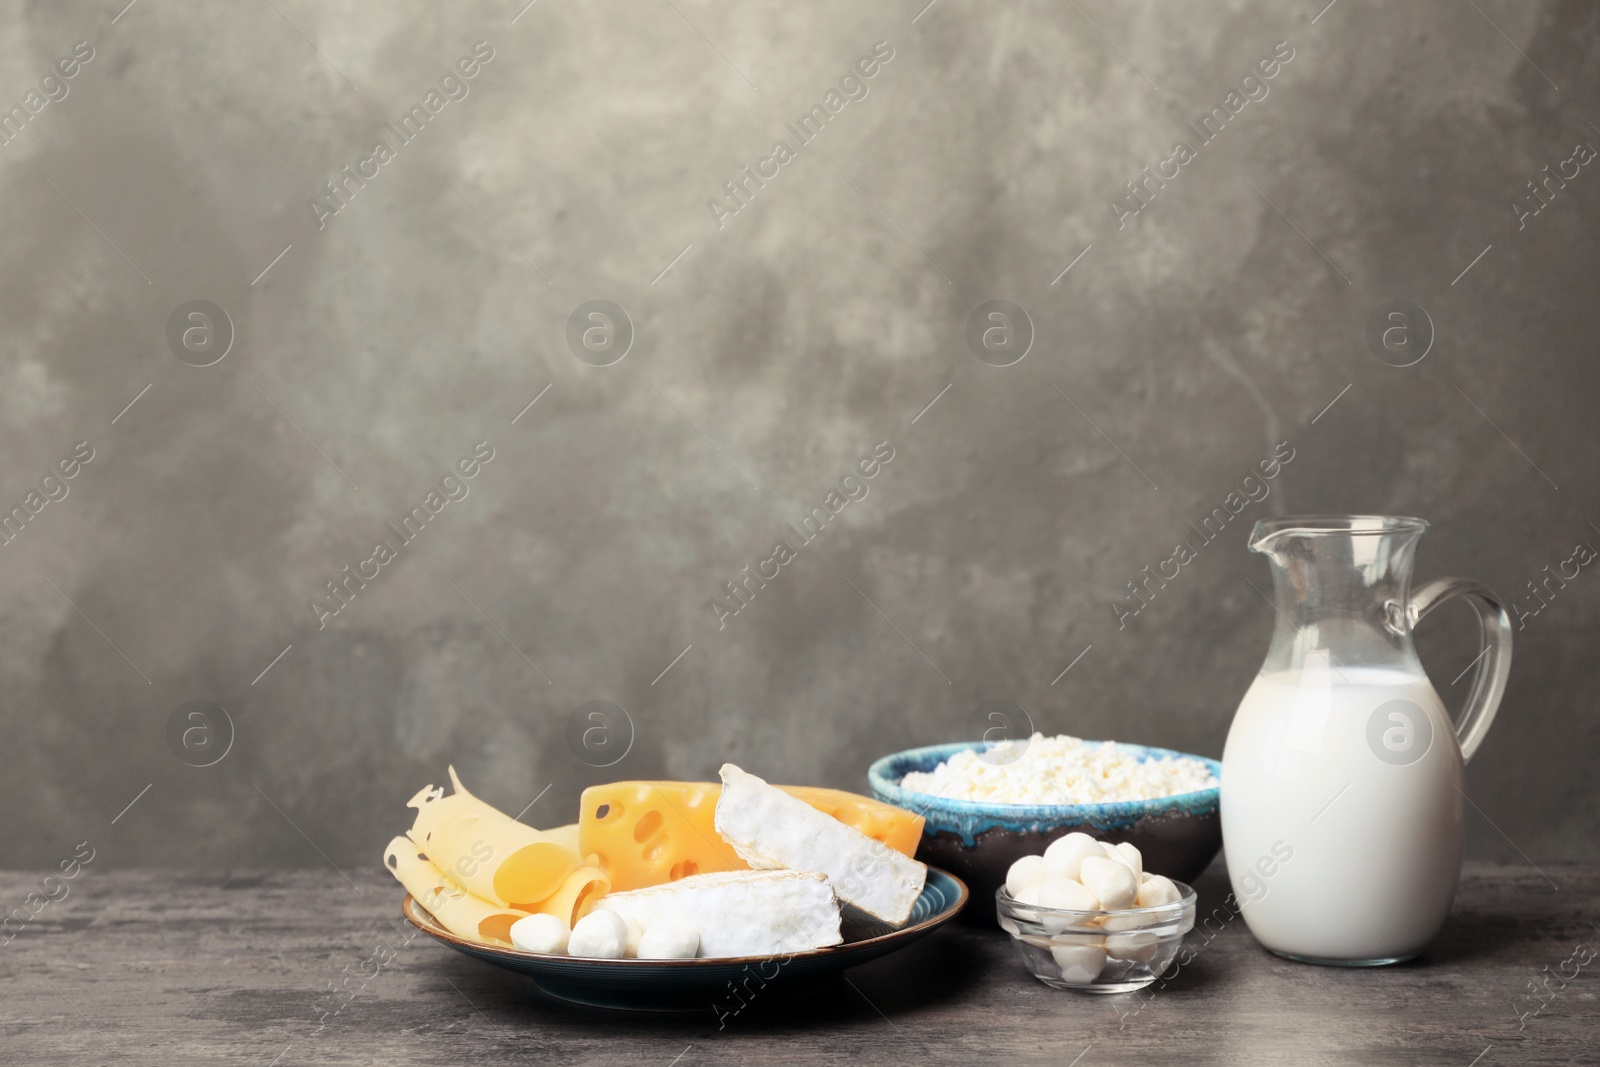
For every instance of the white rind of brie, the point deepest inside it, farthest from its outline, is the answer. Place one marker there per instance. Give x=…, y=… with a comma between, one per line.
x=770, y=829
x=741, y=913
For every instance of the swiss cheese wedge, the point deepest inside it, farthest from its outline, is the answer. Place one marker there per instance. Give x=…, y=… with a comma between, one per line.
x=486, y=850
x=647, y=833
x=771, y=829
x=462, y=913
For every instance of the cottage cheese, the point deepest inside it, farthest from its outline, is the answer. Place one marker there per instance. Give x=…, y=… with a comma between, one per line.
x=1062, y=770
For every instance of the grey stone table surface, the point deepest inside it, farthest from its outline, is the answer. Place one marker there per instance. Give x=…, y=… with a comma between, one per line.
x=296, y=967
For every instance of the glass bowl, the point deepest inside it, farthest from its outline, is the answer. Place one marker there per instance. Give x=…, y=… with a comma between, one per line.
x=1097, y=951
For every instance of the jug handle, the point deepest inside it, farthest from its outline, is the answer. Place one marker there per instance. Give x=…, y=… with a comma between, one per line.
x=1494, y=661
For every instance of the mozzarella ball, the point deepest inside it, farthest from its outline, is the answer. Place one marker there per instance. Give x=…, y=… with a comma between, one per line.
x=1067, y=893
x=601, y=934
x=1111, y=881
x=1076, y=938
x=1156, y=891
x=1065, y=854
x=670, y=939
x=1080, y=964
x=1030, y=895
x=1027, y=871
x=540, y=933
x=1136, y=947
x=1129, y=855
x=635, y=933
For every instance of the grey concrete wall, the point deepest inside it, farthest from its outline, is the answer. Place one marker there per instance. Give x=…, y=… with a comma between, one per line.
x=774, y=348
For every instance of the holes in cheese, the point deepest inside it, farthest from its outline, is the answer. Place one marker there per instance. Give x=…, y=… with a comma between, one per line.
x=577, y=896
x=462, y=913
x=487, y=851
x=649, y=828
x=646, y=833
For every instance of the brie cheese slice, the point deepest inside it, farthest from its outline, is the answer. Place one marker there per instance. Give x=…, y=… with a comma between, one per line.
x=769, y=829
x=741, y=913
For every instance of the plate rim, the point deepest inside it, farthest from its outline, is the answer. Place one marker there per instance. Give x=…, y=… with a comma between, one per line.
x=433, y=929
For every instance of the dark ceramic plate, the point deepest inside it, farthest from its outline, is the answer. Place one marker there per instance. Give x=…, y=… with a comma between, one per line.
x=1178, y=836
x=704, y=985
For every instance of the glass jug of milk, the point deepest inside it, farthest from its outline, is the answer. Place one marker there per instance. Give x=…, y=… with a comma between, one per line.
x=1342, y=801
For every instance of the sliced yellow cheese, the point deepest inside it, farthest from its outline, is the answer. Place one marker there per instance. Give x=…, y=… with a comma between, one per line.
x=567, y=835
x=577, y=896
x=462, y=913
x=486, y=850
x=646, y=833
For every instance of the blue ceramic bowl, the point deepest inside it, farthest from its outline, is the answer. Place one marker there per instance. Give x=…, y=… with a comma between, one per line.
x=978, y=841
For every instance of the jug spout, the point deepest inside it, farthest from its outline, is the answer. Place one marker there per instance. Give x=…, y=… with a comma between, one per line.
x=1342, y=588
x=1272, y=536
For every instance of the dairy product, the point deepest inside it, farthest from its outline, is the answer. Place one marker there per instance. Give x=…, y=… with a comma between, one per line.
x=1062, y=770
x=771, y=829
x=1065, y=855
x=577, y=895
x=1080, y=964
x=487, y=851
x=540, y=933
x=1109, y=879
x=463, y=913
x=1026, y=873
x=646, y=833
x=1316, y=776
x=601, y=934
x=741, y=913
x=1126, y=852
x=1156, y=891
x=1138, y=946
x=896, y=827
x=1112, y=882
x=1065, y=893
x=670, y=939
